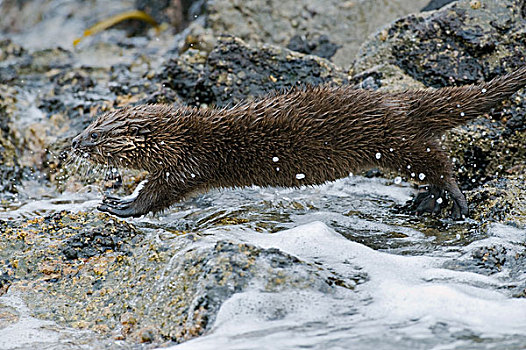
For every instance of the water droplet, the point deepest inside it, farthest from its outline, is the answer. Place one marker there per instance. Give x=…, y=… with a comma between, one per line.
x=162, y=142
x=421, y=176
x=458, y=106
x=351, y=174
x=462, y=114
x=277, y=169
x=440, y=200
x=300, y=176
x=398, y=180
x=409, y=167
x=275, y=159
x=391, y=149
x=167, y=174
x=413, y=174
x=428, y=149
x=378, y=155
x=483, y=90
x=192, y=175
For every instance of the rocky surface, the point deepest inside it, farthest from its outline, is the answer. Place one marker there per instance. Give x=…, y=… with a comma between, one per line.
x=234, y=71
x=92, y=271
x=329, y=28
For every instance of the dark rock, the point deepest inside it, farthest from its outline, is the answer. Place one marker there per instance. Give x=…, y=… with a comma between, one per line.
x=491, y=258
x=11, y=171
x=234, y=71
x=454, y=46
x=500, y=200
x=319, y=46
x=436, y=4
x=96, y=240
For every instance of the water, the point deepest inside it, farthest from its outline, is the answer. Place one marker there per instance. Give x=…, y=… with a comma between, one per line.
x=409, y=302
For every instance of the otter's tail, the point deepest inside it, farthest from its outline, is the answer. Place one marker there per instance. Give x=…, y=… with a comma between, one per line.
x=442, y=109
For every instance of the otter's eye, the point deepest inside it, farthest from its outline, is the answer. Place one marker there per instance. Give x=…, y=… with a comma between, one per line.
x=94, y=136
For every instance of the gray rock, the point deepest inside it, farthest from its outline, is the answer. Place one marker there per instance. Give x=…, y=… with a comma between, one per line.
x=343, y=24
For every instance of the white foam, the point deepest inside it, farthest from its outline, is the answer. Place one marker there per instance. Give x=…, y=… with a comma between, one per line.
x=405, y=296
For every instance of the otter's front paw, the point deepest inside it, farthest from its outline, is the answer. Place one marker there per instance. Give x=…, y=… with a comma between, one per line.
x=121, y=207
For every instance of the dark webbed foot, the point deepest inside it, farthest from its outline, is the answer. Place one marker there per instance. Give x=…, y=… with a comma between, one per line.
x=156, y=195
x=431, y=199
x=121, y=207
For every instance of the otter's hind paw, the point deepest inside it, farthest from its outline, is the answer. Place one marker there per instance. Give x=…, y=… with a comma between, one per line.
x=430, y=199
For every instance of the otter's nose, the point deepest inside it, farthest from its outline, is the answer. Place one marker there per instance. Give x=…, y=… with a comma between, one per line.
x=76, y=142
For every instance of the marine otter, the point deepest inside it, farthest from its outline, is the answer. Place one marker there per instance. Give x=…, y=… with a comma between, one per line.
x=305, y=136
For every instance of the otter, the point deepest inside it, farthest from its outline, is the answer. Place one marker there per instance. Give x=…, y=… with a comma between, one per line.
x=305, y=136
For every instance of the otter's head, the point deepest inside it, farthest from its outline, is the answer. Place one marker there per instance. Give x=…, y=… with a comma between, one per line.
x=122, y=138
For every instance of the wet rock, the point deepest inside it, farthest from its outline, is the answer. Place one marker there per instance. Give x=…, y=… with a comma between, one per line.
x=11, y=172
x=491, y=258
x=72, y=268
x=234, y=71
x=279, y=21
x=92, y=241
x=501, y=200
x=489, y=148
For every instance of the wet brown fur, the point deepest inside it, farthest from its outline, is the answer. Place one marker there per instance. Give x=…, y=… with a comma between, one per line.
x=322, y=132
